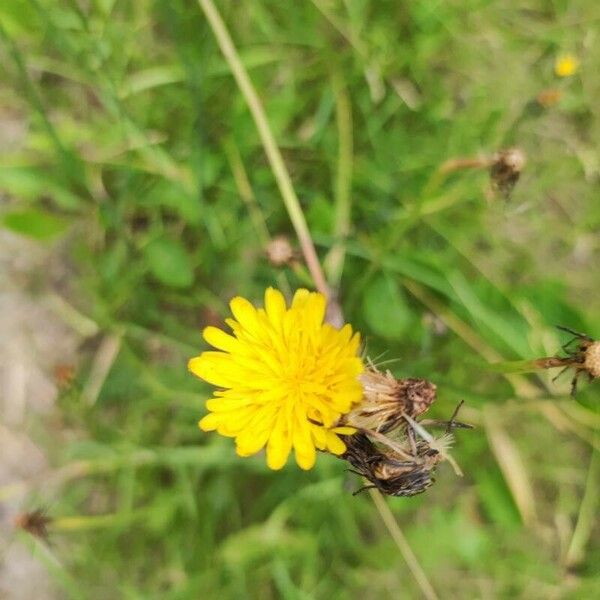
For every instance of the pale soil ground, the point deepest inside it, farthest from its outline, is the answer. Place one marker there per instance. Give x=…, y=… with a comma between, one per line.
x=33, y=340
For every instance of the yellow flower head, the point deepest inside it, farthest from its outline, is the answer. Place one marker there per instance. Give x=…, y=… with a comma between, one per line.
x=566, y=65
x=286, y=376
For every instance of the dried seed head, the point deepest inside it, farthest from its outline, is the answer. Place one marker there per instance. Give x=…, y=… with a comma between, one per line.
x=397, y=473
x=35, y=523
x=391, y=473
x=386, y=399
x=402, y=467
x=280, y=251
x=583, y=354
x=592, y=360
x=506, y=169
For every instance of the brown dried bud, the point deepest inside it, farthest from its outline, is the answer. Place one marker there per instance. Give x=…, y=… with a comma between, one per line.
x=592, y=360
x=506, y=169
x=583, y=354
x=34, y=523
x=280, y=251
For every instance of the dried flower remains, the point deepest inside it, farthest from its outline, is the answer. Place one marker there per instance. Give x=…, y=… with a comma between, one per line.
x=35, y=523
x=392, y=450
x=399, y=469
x=505, y=170
x=583, y=354
x=288, y=381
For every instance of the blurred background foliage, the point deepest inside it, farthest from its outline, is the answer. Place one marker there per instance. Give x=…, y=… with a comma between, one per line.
x=139, y=164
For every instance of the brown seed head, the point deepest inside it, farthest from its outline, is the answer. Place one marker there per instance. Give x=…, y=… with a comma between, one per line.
x=512, y=159
x=386, y=399
x=506, y=169
x=280, y=251
x=34, y=523
x=592, y=359
x=392, y=473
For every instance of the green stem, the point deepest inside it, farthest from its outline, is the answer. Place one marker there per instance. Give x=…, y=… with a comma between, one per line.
x=334, y=263
x=272, y=151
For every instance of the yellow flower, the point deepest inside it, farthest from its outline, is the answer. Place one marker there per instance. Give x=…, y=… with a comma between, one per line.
x=566, y=65
x=286, y=376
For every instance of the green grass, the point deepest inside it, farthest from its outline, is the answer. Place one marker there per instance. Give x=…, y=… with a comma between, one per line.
x=133, y=163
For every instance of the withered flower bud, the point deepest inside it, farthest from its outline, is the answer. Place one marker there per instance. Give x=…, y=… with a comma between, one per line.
x=506, y=169
x=583, y=354
x=35, y=523
x=386, y=400
x=280, y=251
x=591, y=361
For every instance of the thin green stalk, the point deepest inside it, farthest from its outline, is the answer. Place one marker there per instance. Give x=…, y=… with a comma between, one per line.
x=334, y=263
x=587, y=513
x=272, y=151
x=244, y=187
x=409, y=556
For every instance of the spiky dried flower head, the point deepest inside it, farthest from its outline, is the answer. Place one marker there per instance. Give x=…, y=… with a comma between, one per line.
x=583, y=354
x=286, y=378
x=386, y=399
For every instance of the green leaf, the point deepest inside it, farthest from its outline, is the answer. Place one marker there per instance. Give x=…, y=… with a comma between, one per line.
x=385, y=308
x=175, y=197
x=169, y=263
x=33, y=183
x=34, y=223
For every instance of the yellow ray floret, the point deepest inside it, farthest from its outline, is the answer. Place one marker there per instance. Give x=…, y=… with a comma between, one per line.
x=285, y=378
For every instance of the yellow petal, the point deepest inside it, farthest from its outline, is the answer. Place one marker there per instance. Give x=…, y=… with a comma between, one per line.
x=275, y=306
x=319, y=437
x=246, y=315
x=344, y=430
x=300, y=297
x=215, y=368
x=209, y=423
x=316, y=305
x=226, y=404
x=334, y=444
x=278, y=446
x=220, y=340
x=305, y=452
x=250, y=442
